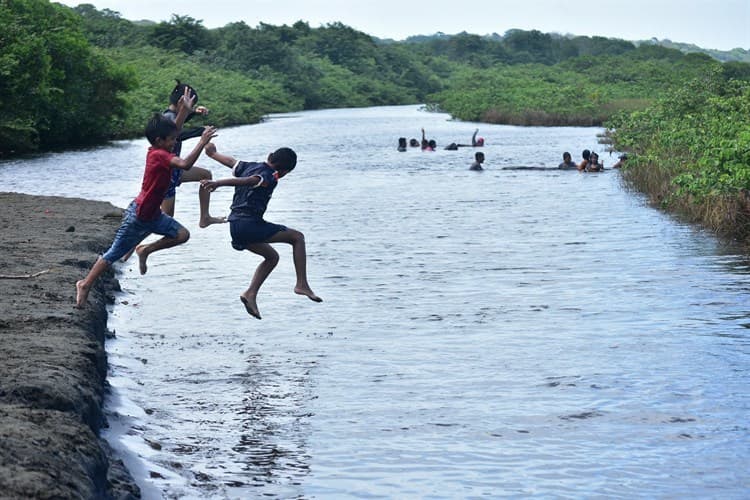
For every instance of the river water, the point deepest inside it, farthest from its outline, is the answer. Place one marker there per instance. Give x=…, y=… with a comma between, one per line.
x=497, y=333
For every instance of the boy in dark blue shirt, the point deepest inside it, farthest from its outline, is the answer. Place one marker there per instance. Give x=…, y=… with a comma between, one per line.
x=254, y=183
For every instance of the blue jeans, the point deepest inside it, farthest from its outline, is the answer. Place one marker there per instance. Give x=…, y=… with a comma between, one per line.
x=133, y=230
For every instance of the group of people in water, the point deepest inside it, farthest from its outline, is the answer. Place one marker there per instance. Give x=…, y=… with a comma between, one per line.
x=590, y=162
x=431, y=145
x=152, y=210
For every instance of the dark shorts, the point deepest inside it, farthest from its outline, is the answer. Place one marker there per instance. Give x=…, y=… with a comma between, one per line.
x=247, y=231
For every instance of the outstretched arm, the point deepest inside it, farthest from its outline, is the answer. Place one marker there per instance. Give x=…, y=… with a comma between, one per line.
x=253, y=180
x=474, y=138
x=184, y=108
x=188, y=162
x=213, y=153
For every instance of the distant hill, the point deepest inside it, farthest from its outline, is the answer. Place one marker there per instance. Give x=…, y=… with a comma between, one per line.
x=736, y=54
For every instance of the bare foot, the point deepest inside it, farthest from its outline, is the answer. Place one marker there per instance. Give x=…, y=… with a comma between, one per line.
x=82, y=294
x=125, y=257
x=208, y=220
x=250, y=306
x=142, y=256
x=307, y=293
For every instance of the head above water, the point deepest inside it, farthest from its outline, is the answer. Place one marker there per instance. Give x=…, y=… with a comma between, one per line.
x=566, y=156
x=283, y=160
x=480, y=141
x=179, y=90
x=160, y=127
x=586, y=154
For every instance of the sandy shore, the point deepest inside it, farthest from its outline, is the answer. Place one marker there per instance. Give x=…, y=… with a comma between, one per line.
x=53, y=368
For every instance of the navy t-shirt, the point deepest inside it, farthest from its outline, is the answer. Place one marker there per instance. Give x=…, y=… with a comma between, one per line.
x=251, y=202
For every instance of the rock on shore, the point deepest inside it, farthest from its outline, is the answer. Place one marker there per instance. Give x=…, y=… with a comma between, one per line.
x=52, y=360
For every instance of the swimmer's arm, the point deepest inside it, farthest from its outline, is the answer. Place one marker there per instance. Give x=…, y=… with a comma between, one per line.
x=226, y=160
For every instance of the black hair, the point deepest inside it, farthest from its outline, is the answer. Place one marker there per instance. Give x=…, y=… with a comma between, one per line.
x=159, y=127
x=402, y=141
x=478, y=155
x=284, y=159
x=586, y=154
x=566, y=155
x=179, y=90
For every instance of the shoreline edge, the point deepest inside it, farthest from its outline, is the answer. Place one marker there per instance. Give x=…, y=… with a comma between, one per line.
x=54, y=363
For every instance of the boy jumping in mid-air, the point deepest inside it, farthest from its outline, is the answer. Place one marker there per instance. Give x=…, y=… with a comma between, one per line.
x=253, y=185
x=144, y=216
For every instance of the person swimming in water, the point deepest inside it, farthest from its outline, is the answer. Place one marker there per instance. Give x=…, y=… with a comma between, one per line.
x=567, y=163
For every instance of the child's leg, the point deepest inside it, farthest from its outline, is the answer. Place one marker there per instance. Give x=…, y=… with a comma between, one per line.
x=167, y=206
x=165, y=242
x=196, y=174
x=270, y=260
x=83, y=286
x=299, y=255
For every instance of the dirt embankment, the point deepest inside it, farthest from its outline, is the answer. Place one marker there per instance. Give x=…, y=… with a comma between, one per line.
x=52, y=359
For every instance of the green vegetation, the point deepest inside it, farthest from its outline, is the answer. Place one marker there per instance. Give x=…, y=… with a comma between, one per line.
x=80, y=76
x=55, y=89
x=585, y=90
x=692, y=152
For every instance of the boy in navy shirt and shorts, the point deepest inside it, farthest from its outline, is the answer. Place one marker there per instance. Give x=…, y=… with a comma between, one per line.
x=254, y=183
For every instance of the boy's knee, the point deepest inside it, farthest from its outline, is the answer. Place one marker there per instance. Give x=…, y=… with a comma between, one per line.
x=183, y=235
x=273, y=258
x=297, y=236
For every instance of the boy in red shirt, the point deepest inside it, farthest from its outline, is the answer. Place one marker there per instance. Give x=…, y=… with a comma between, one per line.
x=144, y=216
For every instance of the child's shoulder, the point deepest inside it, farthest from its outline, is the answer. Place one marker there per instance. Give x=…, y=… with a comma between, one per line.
x=154, y=152
x=248, y=167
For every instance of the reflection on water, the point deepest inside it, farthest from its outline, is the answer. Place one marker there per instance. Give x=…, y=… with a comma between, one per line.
x=517, y=331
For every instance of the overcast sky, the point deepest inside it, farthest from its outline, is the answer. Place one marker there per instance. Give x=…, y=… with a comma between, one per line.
x=714, y=24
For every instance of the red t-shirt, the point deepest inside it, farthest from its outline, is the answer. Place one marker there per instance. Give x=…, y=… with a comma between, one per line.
x=156, y=179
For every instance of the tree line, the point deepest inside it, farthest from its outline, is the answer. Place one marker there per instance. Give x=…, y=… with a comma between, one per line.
x=79, y=76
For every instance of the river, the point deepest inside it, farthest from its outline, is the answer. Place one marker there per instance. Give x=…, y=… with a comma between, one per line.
x=523, y=333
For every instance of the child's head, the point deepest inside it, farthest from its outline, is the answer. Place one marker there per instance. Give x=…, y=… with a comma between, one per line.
x=160, y=129
x=479, y=157
x=283, y=160
x=179, y=90
x=586, y=154
x=566, y=156
x=480, y=141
